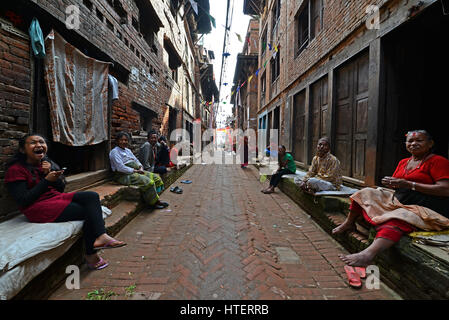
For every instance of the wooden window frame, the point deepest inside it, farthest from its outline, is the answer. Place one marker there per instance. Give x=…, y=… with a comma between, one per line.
x=264, y=39
x=276, y=15
x=275, y=67
x=302, y=40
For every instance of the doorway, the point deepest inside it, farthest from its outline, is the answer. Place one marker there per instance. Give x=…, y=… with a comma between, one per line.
x=415, y=61
x=351, y=115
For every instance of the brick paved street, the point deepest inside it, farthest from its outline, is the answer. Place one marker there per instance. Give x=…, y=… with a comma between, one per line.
x=224, y=239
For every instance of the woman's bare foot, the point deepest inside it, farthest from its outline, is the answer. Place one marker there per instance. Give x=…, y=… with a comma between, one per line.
x=361, y=259
x=345, y=226
x=103, y=240
x=92, y=258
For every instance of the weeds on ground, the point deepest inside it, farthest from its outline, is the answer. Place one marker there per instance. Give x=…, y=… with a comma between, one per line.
x=100, y=295
x=130, y=290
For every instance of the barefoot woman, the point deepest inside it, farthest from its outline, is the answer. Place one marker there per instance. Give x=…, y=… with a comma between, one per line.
x=37, y=185
x=420, y=200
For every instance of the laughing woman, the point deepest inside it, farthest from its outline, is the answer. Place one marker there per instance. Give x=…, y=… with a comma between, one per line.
x=37, y=184
x=129, y=171
x=420, y=200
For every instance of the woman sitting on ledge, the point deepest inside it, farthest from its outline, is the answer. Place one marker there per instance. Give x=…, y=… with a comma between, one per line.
x=420, y=200
x=129, y=171
x=37, y=184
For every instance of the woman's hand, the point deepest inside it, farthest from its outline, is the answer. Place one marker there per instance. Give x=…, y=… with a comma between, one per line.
x=53, y=176
x=396, y=183
x=46, y=167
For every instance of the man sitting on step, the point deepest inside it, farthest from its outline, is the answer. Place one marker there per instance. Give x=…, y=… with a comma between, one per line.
x=325, y=172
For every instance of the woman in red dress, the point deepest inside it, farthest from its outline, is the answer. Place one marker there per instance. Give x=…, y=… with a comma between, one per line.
x=422, y=181
x=37, y=184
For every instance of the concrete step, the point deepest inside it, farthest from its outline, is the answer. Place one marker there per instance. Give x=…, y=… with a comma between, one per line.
x=124, y=203
x=121, y=215
x=414, y=271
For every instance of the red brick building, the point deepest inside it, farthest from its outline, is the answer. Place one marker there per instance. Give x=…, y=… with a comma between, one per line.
x=361, y=72
x=245, y=100
x=151, y=46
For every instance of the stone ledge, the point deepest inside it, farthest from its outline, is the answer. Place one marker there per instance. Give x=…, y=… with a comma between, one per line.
x=125, y=204
x=414, y=272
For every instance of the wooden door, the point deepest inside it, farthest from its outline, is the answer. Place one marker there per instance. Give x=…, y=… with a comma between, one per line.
x=319, y=109
x=269, y=126
x=299, y=122
x=277, y=122
x=351, y=116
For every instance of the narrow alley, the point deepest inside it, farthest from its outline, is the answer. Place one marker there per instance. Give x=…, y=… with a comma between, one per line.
x=223, y=239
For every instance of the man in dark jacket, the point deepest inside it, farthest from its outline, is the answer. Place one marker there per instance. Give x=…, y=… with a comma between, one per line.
x=149, y=154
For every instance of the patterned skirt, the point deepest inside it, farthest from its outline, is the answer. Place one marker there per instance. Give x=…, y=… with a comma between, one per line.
x=150, y=184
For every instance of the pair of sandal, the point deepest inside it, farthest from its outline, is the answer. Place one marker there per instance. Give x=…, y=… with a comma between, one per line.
x=161, y=205
x=355, y=274
x=101, y=264
x=176, y=189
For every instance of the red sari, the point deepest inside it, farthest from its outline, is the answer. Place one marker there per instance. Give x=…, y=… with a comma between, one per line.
x=49, y=205
x=433, y=169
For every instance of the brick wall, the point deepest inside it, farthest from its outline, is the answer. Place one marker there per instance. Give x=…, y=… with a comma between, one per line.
x=340, y=19
x=143, y=72
x=15, y=96
x=150, y=82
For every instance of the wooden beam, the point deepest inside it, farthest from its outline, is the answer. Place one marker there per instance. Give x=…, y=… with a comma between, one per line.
x=374, y=99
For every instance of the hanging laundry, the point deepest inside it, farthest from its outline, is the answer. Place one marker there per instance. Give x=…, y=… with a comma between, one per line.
x=37, y=39
x=226, y=54
x=238, y=37
x=212, y=20
x=194, y=6
x=113, y=87
x=77, y=87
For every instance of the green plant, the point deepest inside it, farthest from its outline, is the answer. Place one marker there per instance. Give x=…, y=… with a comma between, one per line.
x=130, y=290
x=100, y=295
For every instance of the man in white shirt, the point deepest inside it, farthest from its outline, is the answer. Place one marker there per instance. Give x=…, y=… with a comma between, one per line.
x=129, y=171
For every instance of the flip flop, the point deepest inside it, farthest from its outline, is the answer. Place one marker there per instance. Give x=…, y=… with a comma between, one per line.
x=361, y=271
x=99, y=265
x=176, y=189
x=353, y=277
x=111, y=245
x=186, y=181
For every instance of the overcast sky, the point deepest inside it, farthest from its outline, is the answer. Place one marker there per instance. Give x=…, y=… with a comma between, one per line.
x=214, y=41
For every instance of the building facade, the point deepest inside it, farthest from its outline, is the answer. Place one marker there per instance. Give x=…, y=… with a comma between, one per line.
x=245, y=98
x=359, y=72
x=152, y=51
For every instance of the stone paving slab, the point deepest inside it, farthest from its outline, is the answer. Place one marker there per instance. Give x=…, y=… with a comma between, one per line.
x=223, y=239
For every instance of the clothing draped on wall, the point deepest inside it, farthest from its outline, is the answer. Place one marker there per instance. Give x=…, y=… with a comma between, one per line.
x=77, y=88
